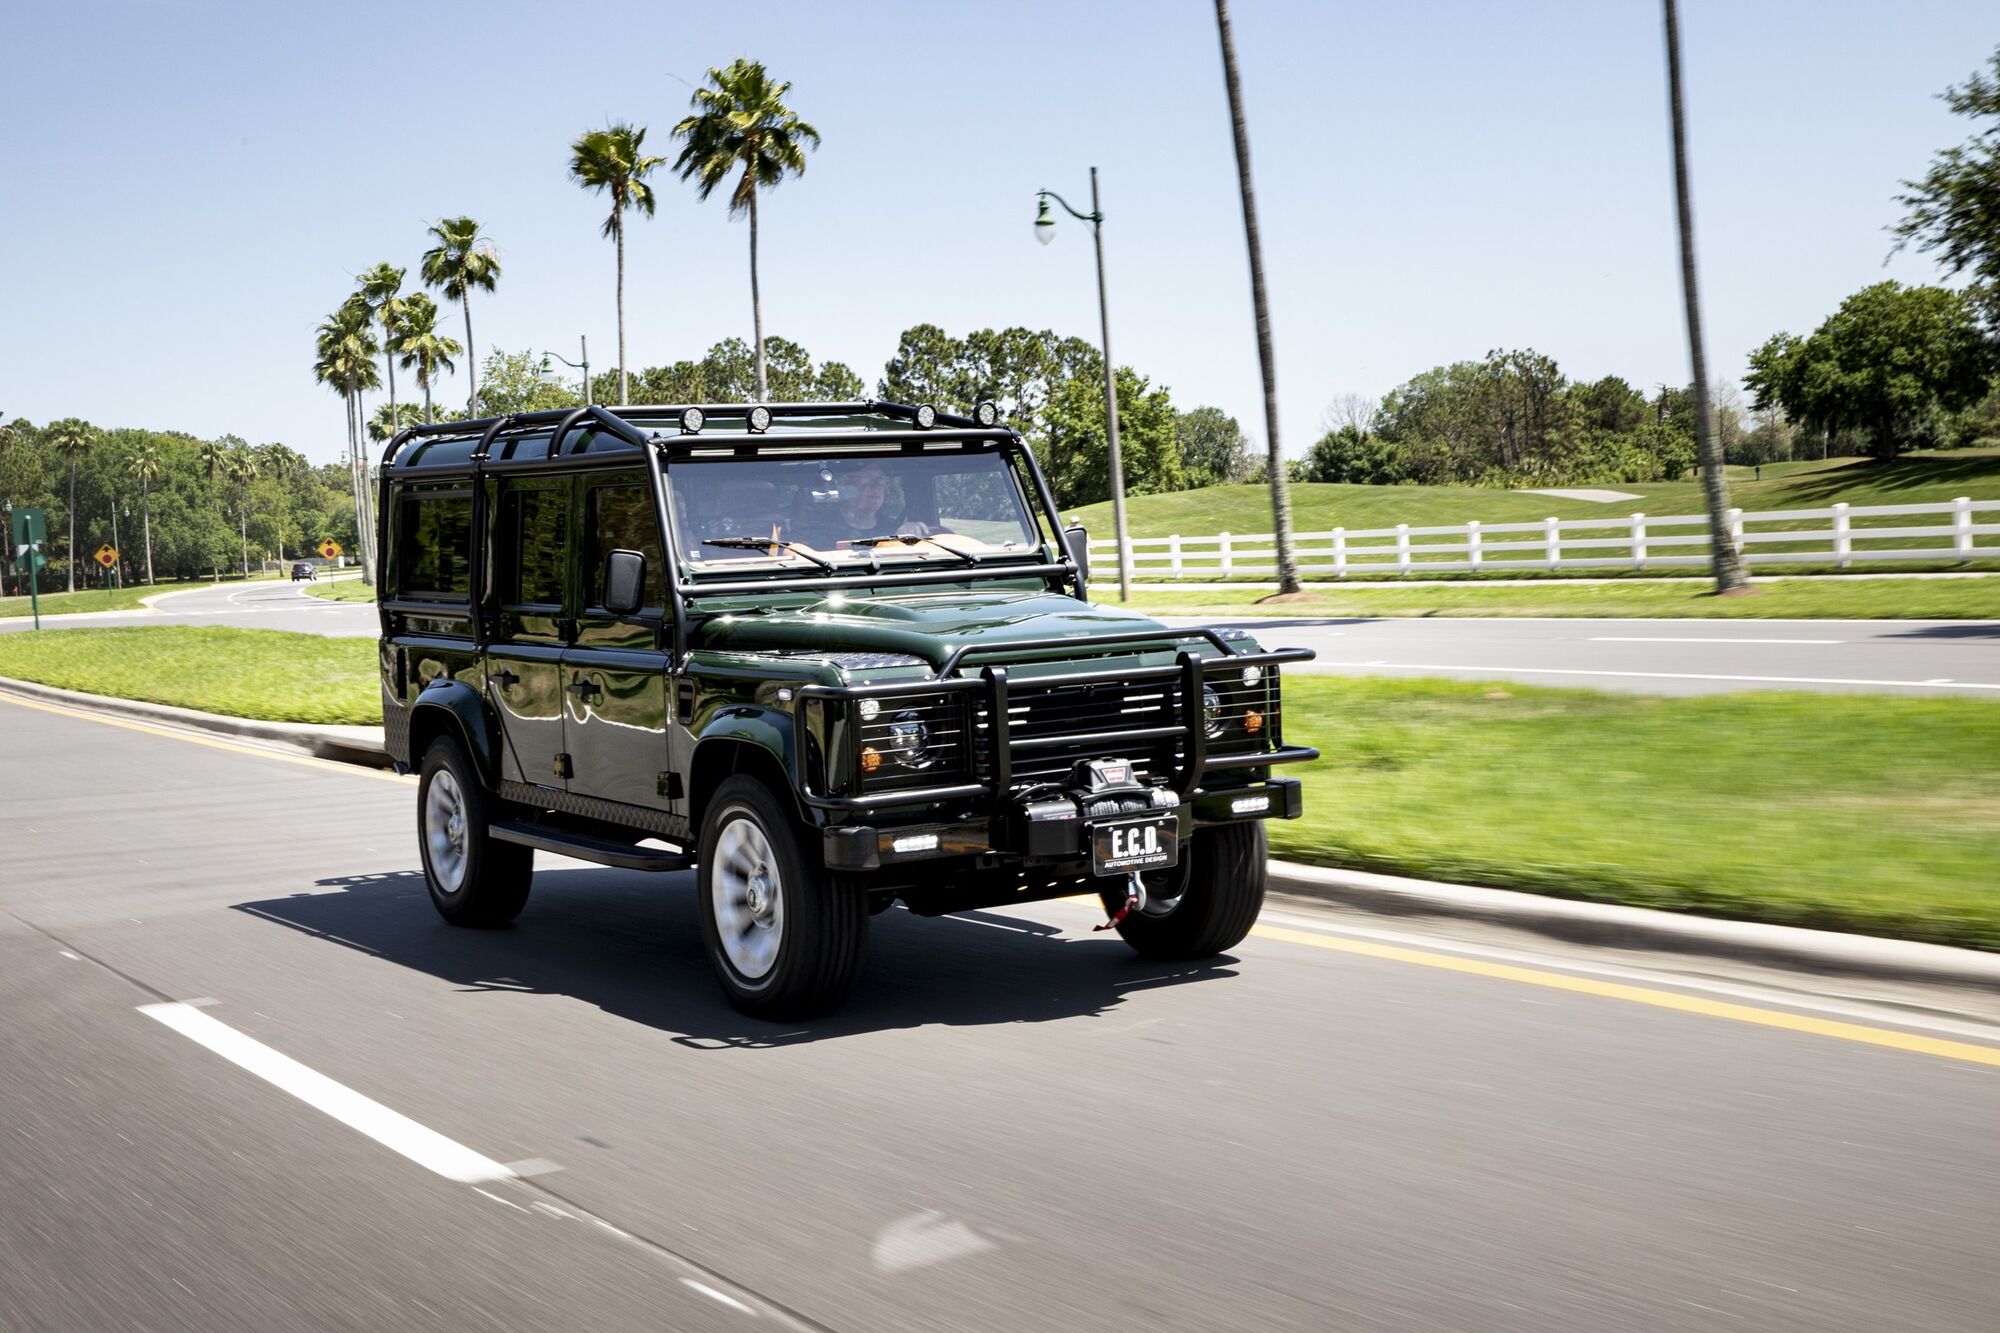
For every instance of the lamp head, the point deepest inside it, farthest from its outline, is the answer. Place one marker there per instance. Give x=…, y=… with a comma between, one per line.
x=1045, y=223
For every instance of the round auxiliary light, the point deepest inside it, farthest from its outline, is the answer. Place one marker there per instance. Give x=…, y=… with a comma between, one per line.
x=987, y=413
x=1252, y=675
x=760, y=418
x=692, y=420
x=870, y=709
x=1211, y=711
x=926, y=417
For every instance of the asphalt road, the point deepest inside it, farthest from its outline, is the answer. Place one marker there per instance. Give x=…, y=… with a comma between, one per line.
x=1653, y=656
x=1016, y=1125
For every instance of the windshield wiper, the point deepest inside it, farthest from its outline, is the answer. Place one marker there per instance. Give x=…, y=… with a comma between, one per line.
x=909, y=540
x=759, y=543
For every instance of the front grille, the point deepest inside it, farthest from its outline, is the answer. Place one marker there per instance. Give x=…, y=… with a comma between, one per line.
x=1078, y=716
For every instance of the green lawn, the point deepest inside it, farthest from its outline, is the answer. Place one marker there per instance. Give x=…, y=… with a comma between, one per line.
x=1869, y=813
x=94, y=599
x=342, y=590
x=1920, y=478
x=237, y=672
x=1804, y=598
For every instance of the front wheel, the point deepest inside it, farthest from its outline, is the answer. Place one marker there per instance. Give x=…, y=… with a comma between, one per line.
x=784, y=940
x=1221, y=896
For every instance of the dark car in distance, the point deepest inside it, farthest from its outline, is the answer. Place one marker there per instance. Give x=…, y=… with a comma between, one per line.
x=830, y=656
x=302, y=569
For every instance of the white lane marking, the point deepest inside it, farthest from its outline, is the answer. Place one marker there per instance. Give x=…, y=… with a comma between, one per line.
x=393, y=1130
x=1638, y=638
x=497, y=1199
x=715, y=1295
x=73, y=957
x=1940, y=680
x=1655, y=675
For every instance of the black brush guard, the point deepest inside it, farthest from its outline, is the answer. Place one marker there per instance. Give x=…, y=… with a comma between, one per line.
x=1189, y=669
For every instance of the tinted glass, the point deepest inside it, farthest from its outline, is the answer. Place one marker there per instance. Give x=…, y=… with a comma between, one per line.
x=534, y=528
x=621, y=518
x=436, y=548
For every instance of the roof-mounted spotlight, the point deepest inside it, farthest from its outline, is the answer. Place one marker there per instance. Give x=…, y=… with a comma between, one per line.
x=759, y=419
x=986, y=412
x=692, y=420
x=926, y=417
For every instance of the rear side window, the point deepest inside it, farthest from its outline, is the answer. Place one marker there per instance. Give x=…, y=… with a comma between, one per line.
x=622, y=518
x=436, y=548
x=535, y=539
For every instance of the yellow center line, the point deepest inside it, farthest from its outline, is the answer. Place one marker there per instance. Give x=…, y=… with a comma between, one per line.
x=214, y=743
x=1658, y=999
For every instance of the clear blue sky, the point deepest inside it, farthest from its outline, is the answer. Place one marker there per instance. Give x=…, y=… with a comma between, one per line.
x=189, y=187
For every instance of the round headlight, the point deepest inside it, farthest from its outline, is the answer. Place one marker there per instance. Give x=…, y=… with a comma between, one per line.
x=1252, y=674
x=926, y=417
x=870, y=709
x=987, y=413
x=1211, y=711
x=692, y=420
x=910, y=740
x=760, y=418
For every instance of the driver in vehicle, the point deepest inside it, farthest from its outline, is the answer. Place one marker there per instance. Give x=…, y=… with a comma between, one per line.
x=858, y=512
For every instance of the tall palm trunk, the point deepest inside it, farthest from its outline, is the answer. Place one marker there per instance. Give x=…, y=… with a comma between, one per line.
x=72, y=525
x=1281, y=496
x=471, y=362
x=757, y=303
x=389, y=360
x=146, y=517
x=354, y=482
x=430, y=417
x=618, y=235
x=1727, y=560
x=243, y=530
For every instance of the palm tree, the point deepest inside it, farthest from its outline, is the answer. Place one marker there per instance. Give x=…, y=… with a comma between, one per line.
x=1281, y=495
x=72, y=439
x=241, y=469
x=609, y=159
x=381, y=288
x=743, y=123
x=461, y=260
x=147, y=467
x=346, y=362
x=419, y=346
x=285, y=465
x=390, y=420
x=1730, y=580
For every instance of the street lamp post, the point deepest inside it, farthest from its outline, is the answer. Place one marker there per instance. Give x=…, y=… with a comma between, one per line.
x=583, y=365
x=1045, y=231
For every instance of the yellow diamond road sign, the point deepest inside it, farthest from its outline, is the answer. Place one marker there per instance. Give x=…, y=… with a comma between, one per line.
x=107, y=555
x=329, y=548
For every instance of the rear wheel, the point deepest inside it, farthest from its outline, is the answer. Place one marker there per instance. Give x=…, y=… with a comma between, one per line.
x=1219, y=899
x=474, y=878
x=784, y=940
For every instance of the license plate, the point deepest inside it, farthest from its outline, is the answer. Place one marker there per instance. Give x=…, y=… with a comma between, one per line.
x=1120, y=846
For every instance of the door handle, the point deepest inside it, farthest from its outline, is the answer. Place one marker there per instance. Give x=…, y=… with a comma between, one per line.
x=503, y=678
x=584, y=686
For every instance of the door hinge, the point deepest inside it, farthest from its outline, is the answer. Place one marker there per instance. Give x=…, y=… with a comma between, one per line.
x=669, y=786
x=563, y=766
x=684, y=700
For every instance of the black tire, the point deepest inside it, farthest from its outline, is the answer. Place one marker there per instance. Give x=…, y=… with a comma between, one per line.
x=1224, y=893
x=787, y=962
x=491, y=884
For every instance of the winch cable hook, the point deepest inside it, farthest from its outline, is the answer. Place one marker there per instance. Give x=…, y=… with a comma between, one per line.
x=1135, y=901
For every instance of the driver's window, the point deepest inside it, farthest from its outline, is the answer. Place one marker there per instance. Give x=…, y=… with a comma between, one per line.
x=621, y=518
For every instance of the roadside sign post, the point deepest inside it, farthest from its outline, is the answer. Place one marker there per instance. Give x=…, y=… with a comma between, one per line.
x=107, y=556
x=29, y=532
x=329, y=549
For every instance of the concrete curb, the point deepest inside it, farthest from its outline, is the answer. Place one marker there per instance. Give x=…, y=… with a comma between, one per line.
x=344, y=744
x=1794, y=947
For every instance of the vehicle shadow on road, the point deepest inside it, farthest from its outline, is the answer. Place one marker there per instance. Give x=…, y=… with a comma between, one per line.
x=630, y=943
x=1977, y=630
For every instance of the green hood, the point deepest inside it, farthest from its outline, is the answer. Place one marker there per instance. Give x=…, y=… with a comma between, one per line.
x=923, y=624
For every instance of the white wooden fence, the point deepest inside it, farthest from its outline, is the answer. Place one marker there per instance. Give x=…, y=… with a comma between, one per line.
x=1839, y=536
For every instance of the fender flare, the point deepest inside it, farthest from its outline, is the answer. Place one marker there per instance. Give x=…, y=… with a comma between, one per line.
x=769, y=732
x=454, y=707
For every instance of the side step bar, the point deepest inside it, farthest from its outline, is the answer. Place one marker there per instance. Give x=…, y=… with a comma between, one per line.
x=585, y=848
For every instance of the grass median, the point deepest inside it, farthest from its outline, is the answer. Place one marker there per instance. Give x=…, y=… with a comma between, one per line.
x=95, y=599
x=1872, y=813
x=254, y=673
x=1824, y=598
x=341, y=590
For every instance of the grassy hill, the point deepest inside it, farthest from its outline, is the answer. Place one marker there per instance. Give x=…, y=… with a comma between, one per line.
x=1317, y=507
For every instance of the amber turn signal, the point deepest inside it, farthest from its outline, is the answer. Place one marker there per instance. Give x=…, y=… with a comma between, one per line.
x=1253, y=722
x=871, y=759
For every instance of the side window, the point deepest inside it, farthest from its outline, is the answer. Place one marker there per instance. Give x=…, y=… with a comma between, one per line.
x=434, y=552
x=534, y=541
x=621, y=518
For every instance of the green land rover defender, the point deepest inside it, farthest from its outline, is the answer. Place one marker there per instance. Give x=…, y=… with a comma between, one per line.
x=830, y=656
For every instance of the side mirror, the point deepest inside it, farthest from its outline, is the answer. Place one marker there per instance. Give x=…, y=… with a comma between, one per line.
x=1076, y=540
x=624, y=582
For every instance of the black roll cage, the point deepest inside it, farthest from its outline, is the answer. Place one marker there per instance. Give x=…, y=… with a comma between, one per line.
x=642, y=427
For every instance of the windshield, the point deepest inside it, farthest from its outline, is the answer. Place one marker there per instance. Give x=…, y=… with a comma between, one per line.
x=839, y=511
